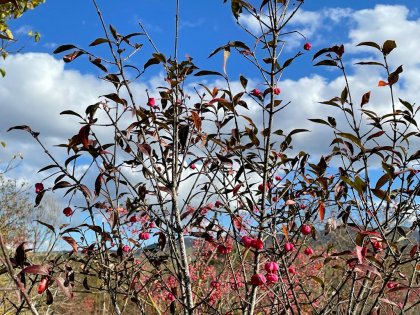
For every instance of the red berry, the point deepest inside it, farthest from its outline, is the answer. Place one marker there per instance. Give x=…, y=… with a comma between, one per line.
x=302, y=206
x=305, y=229
x=258, y=244
x=144, y=236
x=43, y=284
x=67, y=212
x=215, y=284
x=377, y=245
x=258, y=279
x=278, y=177
x=246, y=241
x=209, y=238
x=170, y=297
x=193, y=166
x=268, y=186
x=276, y=91
x=289, y=247
x=256, y=93
x=126, y=248
x=308, y=251
x=307, y=46
x=271, y=267
x=133, y=219
x=39, y=187
x=151, y=225
x=391, y=285
x=218, y=204
x=222, y=249
x=151, y=102
x=272, y=278
x=291, y=270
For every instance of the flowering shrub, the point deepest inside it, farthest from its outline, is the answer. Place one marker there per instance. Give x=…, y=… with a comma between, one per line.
x=179, y=171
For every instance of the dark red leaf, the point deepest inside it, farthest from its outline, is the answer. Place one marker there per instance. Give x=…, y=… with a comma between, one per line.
x=365, y=98
x=145, y=148
x=20, y=255
x=84, y=136
x=236, y=189
x=86, y=192
x=70, y=240
x=70, y=57
x=67, y=290
x=98, y=184
x=361, y=253
x=413, y=251
x=37, y=270
x=62, y=184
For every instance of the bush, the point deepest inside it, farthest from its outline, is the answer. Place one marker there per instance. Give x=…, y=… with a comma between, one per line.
x=171, y=167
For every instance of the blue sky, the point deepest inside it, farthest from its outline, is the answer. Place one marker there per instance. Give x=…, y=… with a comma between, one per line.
x=205, y=25
x=38, y=85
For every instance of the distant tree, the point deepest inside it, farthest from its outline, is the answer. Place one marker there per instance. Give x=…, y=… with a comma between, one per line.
x=11, y=10
x=48, y=212
x=15, y=208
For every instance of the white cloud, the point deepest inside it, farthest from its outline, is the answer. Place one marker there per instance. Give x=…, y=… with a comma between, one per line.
x=38, y=87
x=311, y=24
x=385, y=22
